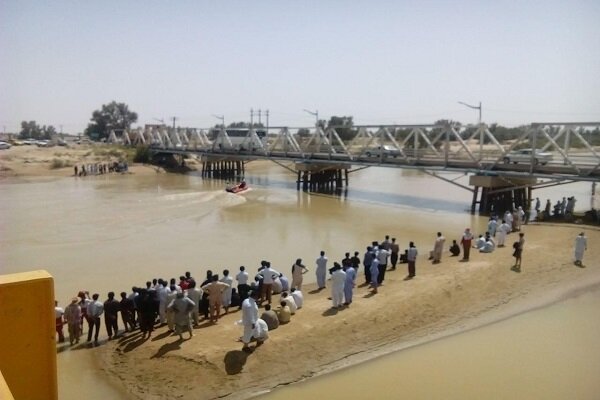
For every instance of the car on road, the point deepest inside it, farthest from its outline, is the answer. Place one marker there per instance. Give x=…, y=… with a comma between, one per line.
x=526, y=155
x=44, y=143
x=29, y=142
x=386, y=150
x=4, y=146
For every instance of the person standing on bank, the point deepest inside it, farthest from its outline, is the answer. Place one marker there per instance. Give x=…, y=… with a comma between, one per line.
x=412, y=260
x=338, y=280
x=94, y=311
x=438, y=248
x=298, y=269
x=349, y=285
x=249, y=319
x=367, y=260
x=394, y=250
x=580, y=248
x=465, y=241
x=518, y=251
x=321, y=270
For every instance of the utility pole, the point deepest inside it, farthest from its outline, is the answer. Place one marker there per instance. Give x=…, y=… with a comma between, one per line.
x=259, y=111
x=174, y=119
x=221, y=117
x=315, y=113
x=478, y=126
x=251, y=117
x=267, y=115
x=475, y=108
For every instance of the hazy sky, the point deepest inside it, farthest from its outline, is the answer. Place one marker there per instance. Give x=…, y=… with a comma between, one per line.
x=379, y=61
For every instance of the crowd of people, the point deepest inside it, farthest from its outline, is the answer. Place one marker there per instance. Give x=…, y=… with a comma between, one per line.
x=179, y=304
x=560, y=210
x=100, y=168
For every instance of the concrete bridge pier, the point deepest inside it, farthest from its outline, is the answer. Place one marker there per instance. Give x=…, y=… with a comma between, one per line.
x=500, y=194
x=321, y=177
x=222, y=168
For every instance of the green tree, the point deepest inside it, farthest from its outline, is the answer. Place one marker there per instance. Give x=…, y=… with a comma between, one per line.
x=343, y=126
x=112, y=116
x=31, y=130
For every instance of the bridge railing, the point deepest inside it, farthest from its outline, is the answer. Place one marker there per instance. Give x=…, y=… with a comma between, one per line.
x=573, y=144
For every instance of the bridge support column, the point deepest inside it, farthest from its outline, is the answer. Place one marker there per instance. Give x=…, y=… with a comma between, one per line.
x=500, y=195
x=217, y=167
x=321, y=177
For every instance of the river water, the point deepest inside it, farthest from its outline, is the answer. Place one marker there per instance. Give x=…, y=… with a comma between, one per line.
x=550, y=353
x=108, y=233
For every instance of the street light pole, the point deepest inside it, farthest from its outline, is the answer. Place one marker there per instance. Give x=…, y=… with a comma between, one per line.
x=478, y=126
x=315, y=113
x=474, y=108
x=221, y=117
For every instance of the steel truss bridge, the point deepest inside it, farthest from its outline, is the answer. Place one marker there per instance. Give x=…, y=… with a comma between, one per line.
x=434, y=149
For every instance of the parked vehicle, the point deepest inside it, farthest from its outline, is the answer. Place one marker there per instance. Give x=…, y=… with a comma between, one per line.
x=387, y=150
x=525, y=156
x=29, y=142
x=44, y=143
x=4, y=146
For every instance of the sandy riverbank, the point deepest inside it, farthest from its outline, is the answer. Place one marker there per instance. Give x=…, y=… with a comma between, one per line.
x=22, y=163
x=443, y=299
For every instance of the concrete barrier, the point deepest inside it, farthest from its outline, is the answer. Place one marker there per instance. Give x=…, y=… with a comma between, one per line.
x=27, y=336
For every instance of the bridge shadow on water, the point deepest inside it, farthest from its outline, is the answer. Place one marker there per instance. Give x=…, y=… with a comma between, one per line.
x=350, y=193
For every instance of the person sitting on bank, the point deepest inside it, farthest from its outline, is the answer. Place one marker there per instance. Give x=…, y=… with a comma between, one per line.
x=270, y=317
x=455, y=249
x=283, y=313
x=480, y=242
x=488, y=247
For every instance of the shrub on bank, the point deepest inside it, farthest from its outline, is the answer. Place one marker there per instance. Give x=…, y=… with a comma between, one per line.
x=57, y=163
x=142, y=154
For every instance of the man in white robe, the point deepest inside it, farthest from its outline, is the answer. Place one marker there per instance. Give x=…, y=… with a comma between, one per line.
x=488, y=247
x=580, y=248
x=321, y=270
x=298, y=297
x=438, y=248
x=338, y=279
x=349, y=285
x=260, y=332
x=503, y=230
x=492, y=226
x=226, y=297
x=249, y=318
x=195, y=294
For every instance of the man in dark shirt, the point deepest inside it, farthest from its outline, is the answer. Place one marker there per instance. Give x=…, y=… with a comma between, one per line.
x=111, y=311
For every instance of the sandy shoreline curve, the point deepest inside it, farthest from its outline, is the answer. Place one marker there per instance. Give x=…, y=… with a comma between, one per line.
x=444, y=299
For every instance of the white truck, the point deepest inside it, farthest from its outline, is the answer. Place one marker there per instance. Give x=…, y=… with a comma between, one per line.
x=526, y=156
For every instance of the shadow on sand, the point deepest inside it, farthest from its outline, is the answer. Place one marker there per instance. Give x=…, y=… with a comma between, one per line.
x=234, y=361
x=167, y=347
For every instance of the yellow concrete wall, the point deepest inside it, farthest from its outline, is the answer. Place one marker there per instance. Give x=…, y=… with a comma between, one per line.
x=27, y=335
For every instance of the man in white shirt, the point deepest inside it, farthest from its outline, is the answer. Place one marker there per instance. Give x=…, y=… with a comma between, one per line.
x=227, y=292
x=321, y=270
x=298, y=297
x=162, y=291
x=94, y=311
x=269, y=275
x=243, y=287
x=195, y=294
x=580, y=248
x=382, y=256
x=58, y=315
